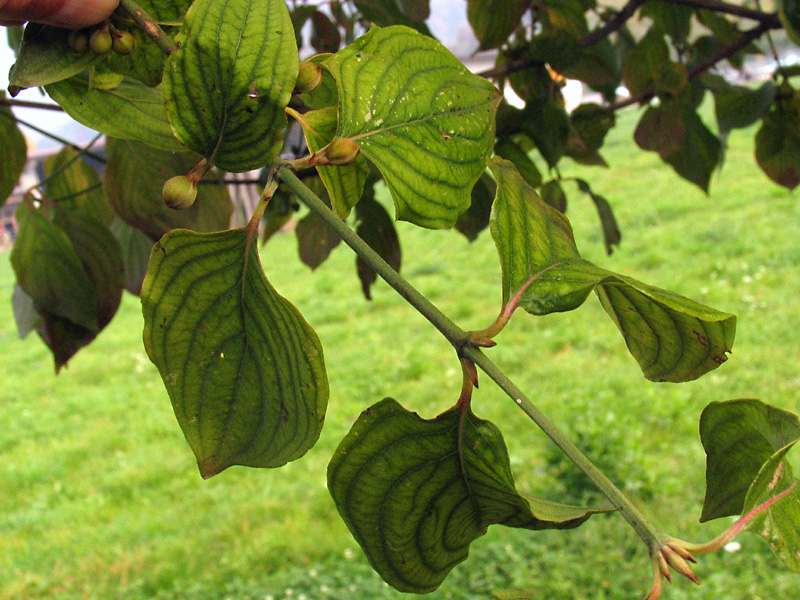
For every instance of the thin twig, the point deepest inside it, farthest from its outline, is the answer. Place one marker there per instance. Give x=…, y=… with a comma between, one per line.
x=147, y=24
x=746, y=38
x=731, y=9
x=613, y=24
x=54, y=137
x=30, y=104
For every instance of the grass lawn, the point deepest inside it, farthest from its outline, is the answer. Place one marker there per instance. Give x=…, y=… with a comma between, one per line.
x=100, y=497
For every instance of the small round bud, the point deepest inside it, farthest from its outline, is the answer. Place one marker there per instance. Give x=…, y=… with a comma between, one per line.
x=100, y=41
x=78, y=41
x=179, y=192
x=308, y=77
x=123, y=42
x=341, y=151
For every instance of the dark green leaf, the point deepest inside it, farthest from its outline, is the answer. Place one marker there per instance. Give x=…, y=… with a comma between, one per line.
x=133, y=179
x=45, y=57
x=670, y=18
x=590, y=124
x=72, y=183
x=100, y=256
x=131, y=111
x=387, y=12
x=243, y=369
x=672, y=338
x=228, y=83
x=643, y=64
x=145, y=63
x=325, y=36
x=416, y=493
x=553, y=195
x=611, y=233
x=510, y=150
x=494, y=20
x=135, y=246
x=376, y=228
x=567, y=17
x=598, y=66
x=778, y=144
x=660, y=130
x=547, y=124
x=315, y=240
x=699, y=153
x=300, y=15
x=789, y=13
x=428, y=124
x=476, y=219
x=739, y=437
x=13, y=153
x=738, y=106
x=345, y=184
x=49, y=270
x=419, y=10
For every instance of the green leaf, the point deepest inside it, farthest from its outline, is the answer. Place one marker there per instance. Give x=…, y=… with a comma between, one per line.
x=131, y=111
x=228, y=83
x=778, y=144
x=133, y=179
x=375, y=227
x=428, y=124
x=494, y=20
x=13, y=153
x=49, y=270
x=345, y=184
x=739, y=437
x=774, y=497
x=672, y=338
x=243, y=369
x=416, y=493
x=45, y=57
x=738, y=106
x=135, y=246
x=72, y=183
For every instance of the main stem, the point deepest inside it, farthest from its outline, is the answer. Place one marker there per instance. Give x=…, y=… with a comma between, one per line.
x=459, y=339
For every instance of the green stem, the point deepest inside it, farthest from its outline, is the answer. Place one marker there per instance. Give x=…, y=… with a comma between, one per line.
x=459, y=338
x=147, y=24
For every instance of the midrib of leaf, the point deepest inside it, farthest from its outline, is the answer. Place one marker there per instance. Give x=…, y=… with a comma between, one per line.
x=422, y=120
